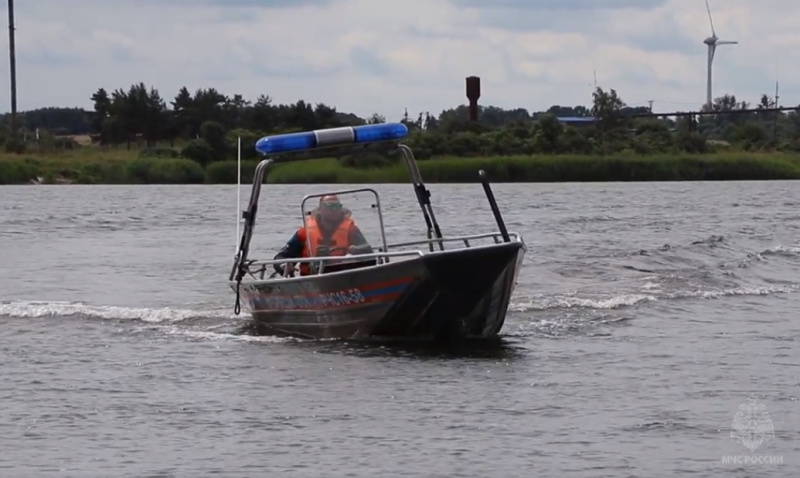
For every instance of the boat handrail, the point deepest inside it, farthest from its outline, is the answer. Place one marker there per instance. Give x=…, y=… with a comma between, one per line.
x=372, y=255
x=497, y=236
x=261, y=266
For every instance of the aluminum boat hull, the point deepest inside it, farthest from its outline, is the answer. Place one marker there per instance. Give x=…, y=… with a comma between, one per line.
x=451, y=294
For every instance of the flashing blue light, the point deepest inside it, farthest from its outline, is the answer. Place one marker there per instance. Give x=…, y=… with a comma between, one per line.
x=282, y=143
x=370, y=133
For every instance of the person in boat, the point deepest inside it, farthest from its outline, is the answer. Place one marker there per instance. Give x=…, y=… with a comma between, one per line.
x=330, y=231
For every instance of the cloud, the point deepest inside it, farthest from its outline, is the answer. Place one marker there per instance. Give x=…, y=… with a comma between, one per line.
x=570, y=6
x=228, y=4
x=381, y=56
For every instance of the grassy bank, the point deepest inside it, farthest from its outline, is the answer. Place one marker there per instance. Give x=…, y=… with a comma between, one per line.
x=94, y=166
x=715, y=167
x=130, y=167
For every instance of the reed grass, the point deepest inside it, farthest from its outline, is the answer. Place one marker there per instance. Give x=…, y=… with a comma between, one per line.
x=715, y=167
x=94, y=166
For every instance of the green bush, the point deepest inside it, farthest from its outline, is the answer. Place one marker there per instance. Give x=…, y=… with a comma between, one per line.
x=224, y=172
x=369, y=160
x=18, y=171
x=101, y=173
x=165, y=171
x=159, y=153
x=199, y=151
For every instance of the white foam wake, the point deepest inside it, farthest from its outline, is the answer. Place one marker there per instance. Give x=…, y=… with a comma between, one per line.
x=32, y=309
x=569, y=301
x=572, y=301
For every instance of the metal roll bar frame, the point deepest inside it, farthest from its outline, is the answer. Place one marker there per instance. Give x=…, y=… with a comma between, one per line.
x=434, y=234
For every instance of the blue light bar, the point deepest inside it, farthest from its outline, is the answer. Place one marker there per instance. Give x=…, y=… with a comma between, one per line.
x=321, y=138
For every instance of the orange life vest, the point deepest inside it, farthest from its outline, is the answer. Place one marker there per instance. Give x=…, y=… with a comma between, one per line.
x=338, y=242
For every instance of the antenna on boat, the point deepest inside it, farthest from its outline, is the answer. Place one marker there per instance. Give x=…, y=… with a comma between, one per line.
x=238, y=188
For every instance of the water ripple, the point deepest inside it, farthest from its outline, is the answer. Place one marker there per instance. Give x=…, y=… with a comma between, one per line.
x=646, y=316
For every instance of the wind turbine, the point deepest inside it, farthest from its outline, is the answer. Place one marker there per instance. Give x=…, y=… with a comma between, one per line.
x=712, y=43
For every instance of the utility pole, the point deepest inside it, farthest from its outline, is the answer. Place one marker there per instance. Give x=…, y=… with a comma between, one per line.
x=13, y=67
x=777, y=115
x=777, y=105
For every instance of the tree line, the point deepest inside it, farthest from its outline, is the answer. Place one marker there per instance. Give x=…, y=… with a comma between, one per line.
x=203, y=126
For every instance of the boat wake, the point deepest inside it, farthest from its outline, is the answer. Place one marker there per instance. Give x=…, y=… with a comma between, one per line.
x=622, y=286
x=213, y=324
x=577, y=300
x=626, y=284
x=34, y=309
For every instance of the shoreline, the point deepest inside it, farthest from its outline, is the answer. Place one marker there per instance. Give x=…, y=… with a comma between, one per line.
x=130, y=169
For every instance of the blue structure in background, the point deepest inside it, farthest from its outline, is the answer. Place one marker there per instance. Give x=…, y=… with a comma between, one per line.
x=576, y=120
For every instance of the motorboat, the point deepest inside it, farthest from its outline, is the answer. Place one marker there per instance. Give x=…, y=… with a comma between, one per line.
x=427, y=288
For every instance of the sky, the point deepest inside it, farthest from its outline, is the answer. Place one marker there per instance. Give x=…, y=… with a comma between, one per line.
x=382, y=56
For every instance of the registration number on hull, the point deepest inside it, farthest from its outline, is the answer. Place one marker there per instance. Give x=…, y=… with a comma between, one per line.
x=340, y=298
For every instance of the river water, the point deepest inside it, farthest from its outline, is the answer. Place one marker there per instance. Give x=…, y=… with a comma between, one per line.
x=647, y=319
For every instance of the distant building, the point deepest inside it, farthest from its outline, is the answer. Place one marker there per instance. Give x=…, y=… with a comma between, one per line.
x=577, y=121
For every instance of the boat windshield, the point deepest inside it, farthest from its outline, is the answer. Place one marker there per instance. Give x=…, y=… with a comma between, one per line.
x=329, y=218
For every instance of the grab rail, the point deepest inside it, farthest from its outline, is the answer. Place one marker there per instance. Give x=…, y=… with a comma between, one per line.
x=261, y=266
x=466, y=238
x=373, y=255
